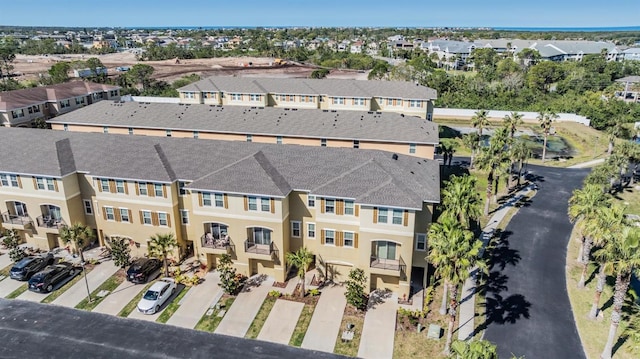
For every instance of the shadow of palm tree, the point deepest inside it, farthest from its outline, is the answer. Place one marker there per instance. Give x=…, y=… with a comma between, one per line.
x=378, y=297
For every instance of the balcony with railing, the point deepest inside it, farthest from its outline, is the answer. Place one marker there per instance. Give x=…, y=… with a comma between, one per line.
x=13, y=221
x=223, y=245
x=50, y=223
x=391, y=265
x=262, y=249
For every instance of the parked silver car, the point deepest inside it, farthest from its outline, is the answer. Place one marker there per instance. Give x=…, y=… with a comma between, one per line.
x=156, y=295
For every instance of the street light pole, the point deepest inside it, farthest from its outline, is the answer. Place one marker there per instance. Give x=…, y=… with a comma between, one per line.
x=86, y=282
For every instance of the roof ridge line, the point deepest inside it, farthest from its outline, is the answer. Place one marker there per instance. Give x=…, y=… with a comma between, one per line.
x=223, y=168
x=342, y=175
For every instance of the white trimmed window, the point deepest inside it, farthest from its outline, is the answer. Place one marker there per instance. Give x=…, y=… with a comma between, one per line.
x=265, y=204
x=323, y=142
x=397, y=216
x=415, y=103
x=162, y=219
x=157, y=188
x=349, y=207
x=196, y=134
x=348, y=239
x=421, y=242
x=109, y=213
x=311, y=230
x=358, y=101
x=338, y=100
x=184, y=216
x=311, y=200
x=279, y=140
x=236, y=97
x=181, y=190
x=45, y=184
x=329, y=237
x=255, y=98
x=383, y=215
x=412, y=148
x=9, y=180
x=219, y=198
x=88, y=208
x=206, y=199
x=249, y=138
x=142, y=189
x=124, y=215
x=329, y=206
x=104, y=185
x=120, y=186
x=131, y=130
x=295, y=229
x=146, y=217
x=253, y=203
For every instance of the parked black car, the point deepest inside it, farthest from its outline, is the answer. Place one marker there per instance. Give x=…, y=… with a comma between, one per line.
x=28, y=266
x=142, y=269
x=45, y=280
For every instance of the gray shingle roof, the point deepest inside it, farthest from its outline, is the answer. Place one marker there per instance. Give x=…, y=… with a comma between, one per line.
x=10, y=100
x=349, y=125
x=368, y=176
x=329, y=87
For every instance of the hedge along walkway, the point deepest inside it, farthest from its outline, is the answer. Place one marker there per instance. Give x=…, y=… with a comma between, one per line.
x=281, y=322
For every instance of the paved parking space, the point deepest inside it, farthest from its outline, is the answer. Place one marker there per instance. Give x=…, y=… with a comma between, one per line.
x=325, y=322
x=378, y=331
x=279, y=326
x=32, y=296
x=197, y=301
x=8, y=285
x=114, y=302
x=5, y=260
x=78, y=291
x=244, y=309
x=135, y=314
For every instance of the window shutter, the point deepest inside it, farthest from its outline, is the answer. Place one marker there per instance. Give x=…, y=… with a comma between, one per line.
x=137, y=188
x=154, y=218
x=272, y=205
x=116, y=214
x=339, y=238
x=322, y=236
x=55, y=185
x=200, y=199
x=99, y=184
x=322, y=205
x=168, y=220
x=151, y=190
x=405, y=220
x=246, y=203
x=104, y=213
x=126, y=187
x=35, y=184
x=141, y=217
x=226, y=200
x=112, y=186
x=339, y=207
x=19, y=182
x=375, y=214
x=164, y=190
x=355, y=240
x=356, y=210
x=130, y=216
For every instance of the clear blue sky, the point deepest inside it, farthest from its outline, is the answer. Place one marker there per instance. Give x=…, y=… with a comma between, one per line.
x=376, y=13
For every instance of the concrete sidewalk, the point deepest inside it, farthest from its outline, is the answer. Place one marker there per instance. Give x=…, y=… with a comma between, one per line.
x=197, y=301
x=279, y=326
x=5, y=260
x=588, y=164
x=325, y=323
x=244, y=309
x=114, y=302
x=78, y=291
x=467, y=307
x=378, y=331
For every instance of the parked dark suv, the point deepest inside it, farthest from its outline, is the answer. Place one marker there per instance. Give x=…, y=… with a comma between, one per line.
x=142, y=269
x=28, y=266
x=45, y=280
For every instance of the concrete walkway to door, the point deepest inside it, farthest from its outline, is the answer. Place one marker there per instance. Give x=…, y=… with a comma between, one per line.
x=325, y=323
x=244, y=309
x=378, y=331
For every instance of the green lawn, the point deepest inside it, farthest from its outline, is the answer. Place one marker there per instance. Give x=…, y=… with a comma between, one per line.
x=350, y=348
x=109, y=285
x=302, y=325
x=630, y=197
x=21, y=289
x=53, y=296
x=209, y=323
x=260, y=318
x=172, y=307
x=131, y=306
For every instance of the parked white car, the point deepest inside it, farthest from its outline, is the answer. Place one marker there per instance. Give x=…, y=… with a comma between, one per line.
x=156, y=295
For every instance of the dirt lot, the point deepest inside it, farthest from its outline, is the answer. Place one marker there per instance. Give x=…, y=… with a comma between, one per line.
x=169, y=70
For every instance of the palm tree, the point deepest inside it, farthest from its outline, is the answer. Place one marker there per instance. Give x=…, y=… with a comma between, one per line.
x=614, y=132
x=631, y=151
x=511, y=123
x=583, y=205
x=625, y=249
x=78, y=235
x=520, y=152
x=461, y=200
x=454, y=252
x=480, y=121
x=492, y=159
x=301, y=259
x=472, y=142
x=160, y=245
x=619, y=165
x=448, y=148
x=546, y=120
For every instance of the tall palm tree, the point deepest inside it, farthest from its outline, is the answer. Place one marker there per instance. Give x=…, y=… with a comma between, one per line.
x=301, y=259
x=160, y=245
x=583, y=205
x=454, y=252
x=472, y=142
x=461, y=200
x=511, y=123
x=480, y=121
x=546, y=120
x=520, y=152
x=492, y=159
x=631, y=151
x=79, y=235
x=625, y=249
x=448, y=148
x=614, y=132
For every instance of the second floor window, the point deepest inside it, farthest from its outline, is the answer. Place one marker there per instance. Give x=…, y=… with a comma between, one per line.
x=330, y=206
x=329, y=236
x=348, y=239
x=109, y=214
x=163, y=219
x=311, y=230
x=311, y=200
x=146, y=217
x=295, y=229
x=124, y=215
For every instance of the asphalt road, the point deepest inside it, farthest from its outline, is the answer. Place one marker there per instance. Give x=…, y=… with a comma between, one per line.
x=528, y=310
x=33, y=330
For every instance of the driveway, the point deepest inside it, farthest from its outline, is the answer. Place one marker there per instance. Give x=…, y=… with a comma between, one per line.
x=325, y=323
x=74, y=295
x=528, y=310
x=115, y=301
x=244, y=309
x=197, y=301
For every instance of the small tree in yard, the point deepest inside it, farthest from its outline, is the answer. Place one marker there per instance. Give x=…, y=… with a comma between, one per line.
x=160, y=245
x=301, y=260
x=355, y=288
x=12, y=240
x=120, y=251
x=230, y=280
x=78, y=235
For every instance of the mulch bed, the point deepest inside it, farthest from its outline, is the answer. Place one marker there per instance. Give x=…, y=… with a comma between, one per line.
x=280, y=284
x=351, y=310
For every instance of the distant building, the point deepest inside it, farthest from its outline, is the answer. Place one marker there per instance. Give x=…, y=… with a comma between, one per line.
x=631, y=54
x=631, y=92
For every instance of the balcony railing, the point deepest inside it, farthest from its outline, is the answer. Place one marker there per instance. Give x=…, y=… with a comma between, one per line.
x=48, y=222
x=388, y=264
x=14, y=219
x=266, y=249
x=221, y=243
